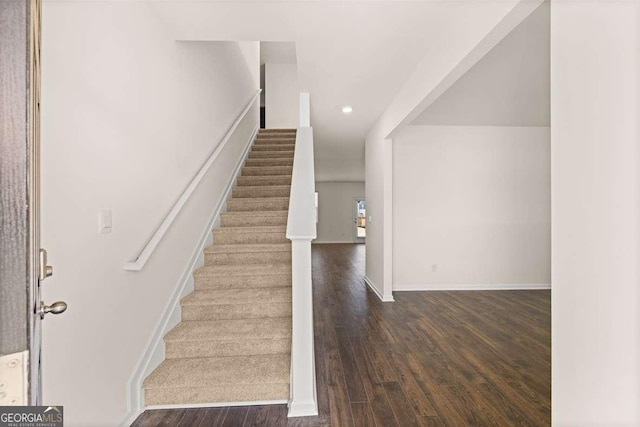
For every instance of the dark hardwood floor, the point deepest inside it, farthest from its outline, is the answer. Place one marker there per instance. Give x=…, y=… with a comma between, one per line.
x=460, y=358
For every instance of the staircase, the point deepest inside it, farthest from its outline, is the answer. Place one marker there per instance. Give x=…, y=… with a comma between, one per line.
x=233, y=343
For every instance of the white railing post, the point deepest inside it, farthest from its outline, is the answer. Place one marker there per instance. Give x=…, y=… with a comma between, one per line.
x=303, y=371
x=301, y=230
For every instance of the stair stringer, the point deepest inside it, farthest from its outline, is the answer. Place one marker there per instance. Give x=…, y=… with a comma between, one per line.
x=154, y=352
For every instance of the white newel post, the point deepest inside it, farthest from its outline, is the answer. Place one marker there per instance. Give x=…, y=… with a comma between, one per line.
x=301, y=230
x=305, y=110
x=303, y=372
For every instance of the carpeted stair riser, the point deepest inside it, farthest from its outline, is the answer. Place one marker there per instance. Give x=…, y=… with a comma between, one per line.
x=276, y=135
x=274, y=141
x=262, y=191
x=225, y=238
x=237, y=296
x=200, y=372
x=247, y=270
x=219, y=379
x=257, y=180
x=216, y=393
x=266, y=170
x=289, y=136
x=227, y=348
x=269, y=162
x=273, y=147
x=236, y=311
x=278, y=130
x=271, y=154
x=203, y=338
x=230, y=330
x=242, y=282
x=247, y=258
x=247, y=204
x=254, y=219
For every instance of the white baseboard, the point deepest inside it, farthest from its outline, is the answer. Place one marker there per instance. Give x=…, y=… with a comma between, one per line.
x=383, y=298
x=473, y=287
x=303, y=409
x=334, y=242
x=154, y=351
x=216, y=405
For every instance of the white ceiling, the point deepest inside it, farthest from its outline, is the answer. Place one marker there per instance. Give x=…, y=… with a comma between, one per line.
x=510, y=86
x=277, y=52
x=348, y=52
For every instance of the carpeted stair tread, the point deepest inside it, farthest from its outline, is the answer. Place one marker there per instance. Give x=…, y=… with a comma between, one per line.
x=236, y=311
x=249, y=248
x=242, y=281
x=250, y=234
x=276, y=135
x=266, y=170
x=223, y=395
x=254, y=218
x=242, y=270
x=271, y=154
x=227, y=348
x=252, y=229
x=268, y=162
x=273, y=147
x=211, y=371
x=278, y=130
x=261, y=191
x=274, y=141
x=238, y=296
x=275, y=144
x=247, y=204
x=264, y=180
x=230, y=330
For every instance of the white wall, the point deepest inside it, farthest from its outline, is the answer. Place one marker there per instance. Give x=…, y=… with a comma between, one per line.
x=473, y=203
x=423, y=86
x=595, y=104
x=509, y=86
x=281, y=96
x=128, y=116
x=378, y=191
x=336, y=211
x=340, y=170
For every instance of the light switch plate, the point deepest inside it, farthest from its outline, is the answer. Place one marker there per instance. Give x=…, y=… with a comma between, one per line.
x=105, y=222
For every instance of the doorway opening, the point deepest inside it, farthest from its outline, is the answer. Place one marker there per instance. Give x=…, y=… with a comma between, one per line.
x=360, y=219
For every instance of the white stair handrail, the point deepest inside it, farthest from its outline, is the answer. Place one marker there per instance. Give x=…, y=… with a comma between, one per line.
x=157, y=236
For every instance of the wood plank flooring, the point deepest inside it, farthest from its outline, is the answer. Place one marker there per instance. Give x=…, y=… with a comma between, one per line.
x=475, y=358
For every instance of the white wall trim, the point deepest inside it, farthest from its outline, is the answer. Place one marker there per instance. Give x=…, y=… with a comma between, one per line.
x=307, y=408
x=154, y=350
x=472, y=287
x=387, y=298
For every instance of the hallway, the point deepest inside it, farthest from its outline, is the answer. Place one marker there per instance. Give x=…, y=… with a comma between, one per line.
x=430, y=358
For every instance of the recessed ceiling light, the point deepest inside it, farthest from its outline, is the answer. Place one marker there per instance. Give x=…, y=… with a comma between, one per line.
x=347, y=109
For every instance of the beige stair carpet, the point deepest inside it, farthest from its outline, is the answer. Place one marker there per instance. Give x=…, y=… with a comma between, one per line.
x=233, y=343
